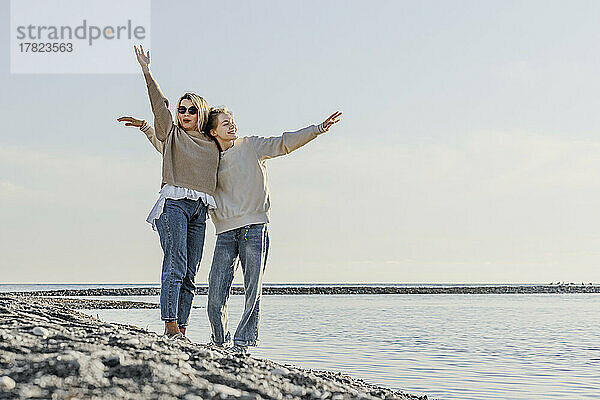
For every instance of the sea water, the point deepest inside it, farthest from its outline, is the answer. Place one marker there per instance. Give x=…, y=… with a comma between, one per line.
x=445, y=346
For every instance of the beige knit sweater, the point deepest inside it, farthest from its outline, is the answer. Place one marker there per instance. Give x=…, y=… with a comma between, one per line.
x=190, y=159
x=242, y=194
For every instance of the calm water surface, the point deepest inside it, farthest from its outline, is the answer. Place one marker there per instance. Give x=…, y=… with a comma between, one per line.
x=32, y=287
x=444, y=346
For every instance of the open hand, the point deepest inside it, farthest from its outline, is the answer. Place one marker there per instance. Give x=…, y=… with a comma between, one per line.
x=130, y=121
x=143, y=58
x=333, y=119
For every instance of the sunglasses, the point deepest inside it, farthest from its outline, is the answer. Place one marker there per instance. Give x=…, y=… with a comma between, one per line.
x=192, y=110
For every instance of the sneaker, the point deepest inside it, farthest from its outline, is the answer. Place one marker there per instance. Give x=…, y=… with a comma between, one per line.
x=239, y=349
x=217, y=346
x=177, y=336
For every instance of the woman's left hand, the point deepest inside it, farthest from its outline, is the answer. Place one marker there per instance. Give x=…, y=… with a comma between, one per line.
x=333, y=119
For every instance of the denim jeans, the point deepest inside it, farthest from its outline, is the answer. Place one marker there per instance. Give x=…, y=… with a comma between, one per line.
x=181, y=229
x=249, y=244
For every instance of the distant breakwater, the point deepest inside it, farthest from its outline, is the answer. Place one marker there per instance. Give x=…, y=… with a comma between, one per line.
x=336, y=290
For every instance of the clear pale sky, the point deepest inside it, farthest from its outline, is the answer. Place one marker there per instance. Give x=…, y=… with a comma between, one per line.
x=469, y=148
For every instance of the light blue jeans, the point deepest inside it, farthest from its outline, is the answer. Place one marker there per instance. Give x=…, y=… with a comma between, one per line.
x=250, y=245
x=181, y=228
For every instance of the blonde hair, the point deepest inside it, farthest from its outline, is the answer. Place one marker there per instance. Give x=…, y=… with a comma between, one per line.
x=202, y=107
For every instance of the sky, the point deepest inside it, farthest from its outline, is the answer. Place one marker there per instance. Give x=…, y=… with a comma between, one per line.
x=468, y=150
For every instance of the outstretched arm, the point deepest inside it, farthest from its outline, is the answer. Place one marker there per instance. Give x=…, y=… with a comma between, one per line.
x=163, y=120
x=280, y=145
x=146, y=128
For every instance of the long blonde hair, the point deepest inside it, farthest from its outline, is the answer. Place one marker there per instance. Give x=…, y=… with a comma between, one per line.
x=201, y=105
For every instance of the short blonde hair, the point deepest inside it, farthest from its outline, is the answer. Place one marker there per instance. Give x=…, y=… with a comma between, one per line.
x=201, y=105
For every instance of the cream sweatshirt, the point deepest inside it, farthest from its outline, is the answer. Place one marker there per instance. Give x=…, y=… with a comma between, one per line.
x=242, y=193
x=190, y=159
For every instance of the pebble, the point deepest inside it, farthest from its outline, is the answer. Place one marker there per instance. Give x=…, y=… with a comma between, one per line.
x=250, y=396
x=226, y=390
x=182, y=356
x=28, y=392
x=298, y=391
x=192, y=397
x=280, y=371
x=7, y=383
x=113, y=360
x=39, y=331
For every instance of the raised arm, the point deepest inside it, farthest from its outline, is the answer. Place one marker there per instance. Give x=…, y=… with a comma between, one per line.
x=280, y=145
x=163, y=120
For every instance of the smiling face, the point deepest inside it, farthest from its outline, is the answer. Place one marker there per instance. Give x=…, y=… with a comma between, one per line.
x=189, y=118
x=225, y=131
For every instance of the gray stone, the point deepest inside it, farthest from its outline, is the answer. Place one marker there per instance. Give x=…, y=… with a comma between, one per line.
x=40, y=331
x=132, y=342
x=192, y=397
x=113, y=360
x=7, y=383
x=28, y=392
x=226, y=390
x=280, y=371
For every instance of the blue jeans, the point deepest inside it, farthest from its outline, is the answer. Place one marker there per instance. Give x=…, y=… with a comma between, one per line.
x=181, y=229
x=250, y=245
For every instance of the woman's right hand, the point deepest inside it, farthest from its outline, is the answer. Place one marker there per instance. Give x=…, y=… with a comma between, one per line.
x=130, y=121
x=143, y=58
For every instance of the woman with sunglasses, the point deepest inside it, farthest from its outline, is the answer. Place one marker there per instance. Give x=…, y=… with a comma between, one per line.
x=189, y=179
x=241, y=218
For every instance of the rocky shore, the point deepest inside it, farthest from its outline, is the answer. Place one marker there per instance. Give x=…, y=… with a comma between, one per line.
x=48, y=351
x=94, y=304
x=337, y=290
